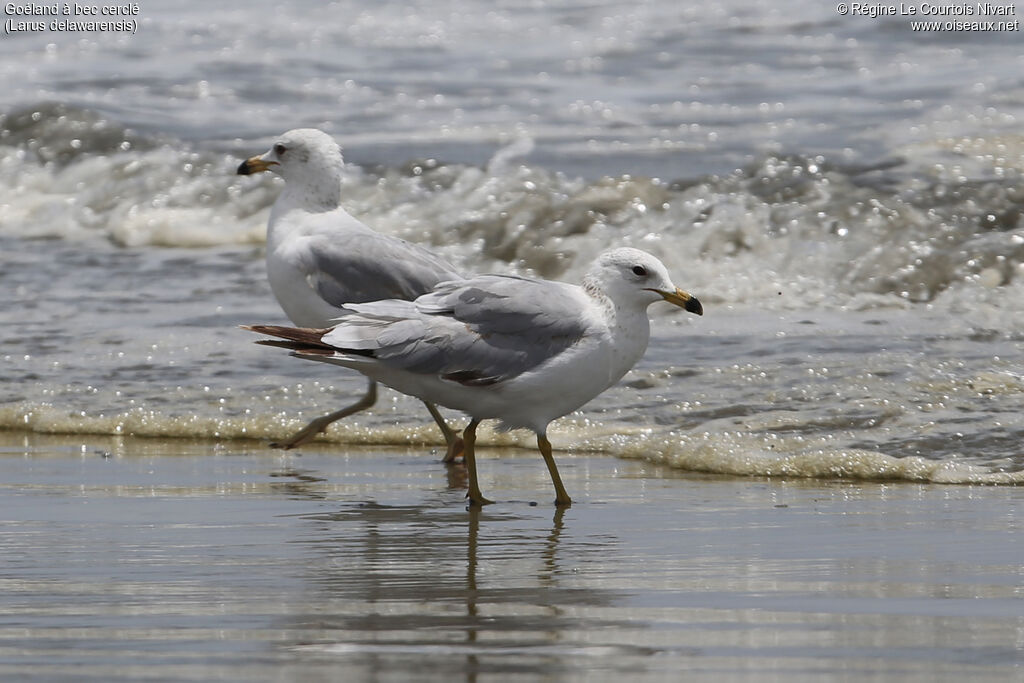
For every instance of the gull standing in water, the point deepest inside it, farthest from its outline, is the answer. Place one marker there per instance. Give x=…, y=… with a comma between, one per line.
x=520, y=350
x=319, y=257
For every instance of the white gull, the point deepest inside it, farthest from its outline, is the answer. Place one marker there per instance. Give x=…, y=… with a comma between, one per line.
x=520, y=350
x=319, y=257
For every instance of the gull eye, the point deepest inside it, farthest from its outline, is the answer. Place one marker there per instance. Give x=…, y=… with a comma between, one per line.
x=639, y=271
x=280, y=149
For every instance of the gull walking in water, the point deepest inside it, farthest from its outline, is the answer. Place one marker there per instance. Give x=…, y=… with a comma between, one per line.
x=320, y=258
x=519, y=350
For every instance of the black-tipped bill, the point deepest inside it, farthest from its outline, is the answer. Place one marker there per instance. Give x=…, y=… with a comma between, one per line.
x=254, y=165
x=684, y=300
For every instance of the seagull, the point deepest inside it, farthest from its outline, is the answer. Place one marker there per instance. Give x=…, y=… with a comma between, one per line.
x=519, y=350
x=320, y=258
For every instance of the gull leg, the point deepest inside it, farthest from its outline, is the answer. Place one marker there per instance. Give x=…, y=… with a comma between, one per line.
x=320, y=424
x=469, y=455
x=451, y=437
x=561, y=497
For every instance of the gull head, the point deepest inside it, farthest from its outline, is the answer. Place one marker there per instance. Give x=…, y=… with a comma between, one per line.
x=633, y=277
x=308, y=159
x=297, y=153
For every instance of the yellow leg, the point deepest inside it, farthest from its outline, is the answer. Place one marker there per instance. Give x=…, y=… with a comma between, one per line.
x=451, y=437
x=469, y=455
x=320, y=424
x=561, y=497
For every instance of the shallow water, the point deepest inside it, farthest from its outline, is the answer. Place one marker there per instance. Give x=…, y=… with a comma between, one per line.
x=926, y=393
x=808, y=163
x=145, y=559
x=861, y=276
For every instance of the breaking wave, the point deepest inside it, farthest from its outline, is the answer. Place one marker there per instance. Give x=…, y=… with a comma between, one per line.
x=816, y=230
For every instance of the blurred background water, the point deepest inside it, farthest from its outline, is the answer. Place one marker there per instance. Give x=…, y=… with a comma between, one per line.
x=841, y=192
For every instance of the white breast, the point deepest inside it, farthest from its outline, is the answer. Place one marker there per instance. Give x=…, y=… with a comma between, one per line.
x=288, y=276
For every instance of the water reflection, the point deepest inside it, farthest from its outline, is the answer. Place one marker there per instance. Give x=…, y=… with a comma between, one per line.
x=299, y=483
x=207, y=565
x=391, y=582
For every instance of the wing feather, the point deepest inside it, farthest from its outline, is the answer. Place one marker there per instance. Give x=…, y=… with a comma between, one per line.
x=479, y=331
x=355, y=266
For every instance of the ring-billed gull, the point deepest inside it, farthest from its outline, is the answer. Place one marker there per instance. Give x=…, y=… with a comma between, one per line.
x=319, y=257
x=520, y=350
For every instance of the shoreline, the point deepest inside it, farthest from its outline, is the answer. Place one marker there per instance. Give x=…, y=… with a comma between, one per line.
x=850, y=466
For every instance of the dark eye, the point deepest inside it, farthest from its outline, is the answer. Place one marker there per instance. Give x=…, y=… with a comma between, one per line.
x=639, y=271
x=280, y=149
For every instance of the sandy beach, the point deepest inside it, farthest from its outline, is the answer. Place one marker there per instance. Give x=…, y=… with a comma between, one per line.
x=147, y=559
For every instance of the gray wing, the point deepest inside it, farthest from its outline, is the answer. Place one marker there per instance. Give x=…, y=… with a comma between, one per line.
x=480, y=331
x=367, y=266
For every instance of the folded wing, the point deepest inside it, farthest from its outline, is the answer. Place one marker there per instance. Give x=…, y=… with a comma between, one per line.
x=480, y=331
x=359, y=264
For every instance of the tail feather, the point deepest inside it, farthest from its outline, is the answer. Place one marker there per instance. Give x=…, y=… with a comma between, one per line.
x=304, y=340
x=298, y=347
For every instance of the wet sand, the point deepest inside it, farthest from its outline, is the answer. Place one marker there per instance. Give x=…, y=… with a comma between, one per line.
x=146, y=559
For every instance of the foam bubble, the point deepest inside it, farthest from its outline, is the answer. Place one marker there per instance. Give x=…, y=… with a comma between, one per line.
x=759, y=455
x=787, y=232
x=727, y=453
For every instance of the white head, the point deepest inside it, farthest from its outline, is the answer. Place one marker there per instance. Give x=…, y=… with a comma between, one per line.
x=633, y=277
x=310, y=162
